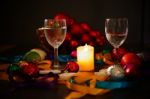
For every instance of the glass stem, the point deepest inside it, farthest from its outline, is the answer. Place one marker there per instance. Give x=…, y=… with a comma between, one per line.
x=56, y=63
x=117, y=56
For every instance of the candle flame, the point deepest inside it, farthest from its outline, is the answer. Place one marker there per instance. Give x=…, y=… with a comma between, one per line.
x=85, y=47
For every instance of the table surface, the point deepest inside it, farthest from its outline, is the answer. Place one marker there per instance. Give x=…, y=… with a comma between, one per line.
x=141, y=90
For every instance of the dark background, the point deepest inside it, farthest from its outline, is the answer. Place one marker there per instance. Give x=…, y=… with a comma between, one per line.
x=20, y=18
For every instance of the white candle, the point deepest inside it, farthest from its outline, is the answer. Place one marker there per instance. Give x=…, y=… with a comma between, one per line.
x=85, y=58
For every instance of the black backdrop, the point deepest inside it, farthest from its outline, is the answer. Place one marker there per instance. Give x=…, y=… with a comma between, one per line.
x=21, y=18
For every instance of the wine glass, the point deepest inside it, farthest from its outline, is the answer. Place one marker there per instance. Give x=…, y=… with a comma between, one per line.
x=116, y=30
x=55, y=32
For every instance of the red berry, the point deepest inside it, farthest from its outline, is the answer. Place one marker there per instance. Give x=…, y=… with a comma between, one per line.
x=76, y=30
x=69, y=20
x=85, y=26
x=74, y=43
x=93, y=34
x=85, y=38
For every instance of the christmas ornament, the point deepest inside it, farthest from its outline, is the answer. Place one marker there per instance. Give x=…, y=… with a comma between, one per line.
x=69, y=20
x=73, y=54
x=30, y=69
x=131, y=58
x=34, y=55
x=116, y=71
x=71, y=66
x=118, y=53
x=131, y=70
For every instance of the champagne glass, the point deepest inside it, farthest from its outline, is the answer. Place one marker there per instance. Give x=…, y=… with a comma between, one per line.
x=55, y=32
x=116, y=30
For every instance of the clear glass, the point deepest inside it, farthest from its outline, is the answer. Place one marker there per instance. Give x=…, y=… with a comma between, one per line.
x=55, y=32
x=116, y=30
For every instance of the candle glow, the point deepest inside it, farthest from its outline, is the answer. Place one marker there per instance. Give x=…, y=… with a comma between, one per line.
x=85, y=58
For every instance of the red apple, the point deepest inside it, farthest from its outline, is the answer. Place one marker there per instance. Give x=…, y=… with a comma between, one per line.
x=131, y=58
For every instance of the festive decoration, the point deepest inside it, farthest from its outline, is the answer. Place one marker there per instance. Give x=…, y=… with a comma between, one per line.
x=131, y=70
x=131, y=58
x=35, y=55
x=118, y=53
x=71, y=66
x=29, y=69
x=74, y=54
x=116, y=71
x=78, y=33
x=104, y=58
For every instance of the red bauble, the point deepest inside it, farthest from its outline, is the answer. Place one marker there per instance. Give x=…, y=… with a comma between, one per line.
x=93, y=34
x=74, y=43
x=131, y=58
x=71, y=67
x=85, y=26
x=69, y=20
x=130, y=70
x=73, y=54
x=85, y=38
x=118, y=53
x=31, y=69
x=76, y=30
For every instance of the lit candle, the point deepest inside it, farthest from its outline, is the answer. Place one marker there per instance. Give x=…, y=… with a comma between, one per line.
x=85, y=58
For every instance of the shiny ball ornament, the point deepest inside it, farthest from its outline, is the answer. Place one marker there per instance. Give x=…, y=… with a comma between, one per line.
x=116, y=71
x=131, y=58
x=130, y=70
x=30, y=69
x=119, y=53
x=73, y=54
x=71, y=66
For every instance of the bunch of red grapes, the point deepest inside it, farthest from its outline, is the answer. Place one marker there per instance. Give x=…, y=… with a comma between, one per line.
x=80, y=33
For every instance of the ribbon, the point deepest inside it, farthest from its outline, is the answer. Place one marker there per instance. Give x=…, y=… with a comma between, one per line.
x=106, y=58
x=80, y=88
x=83, y=83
